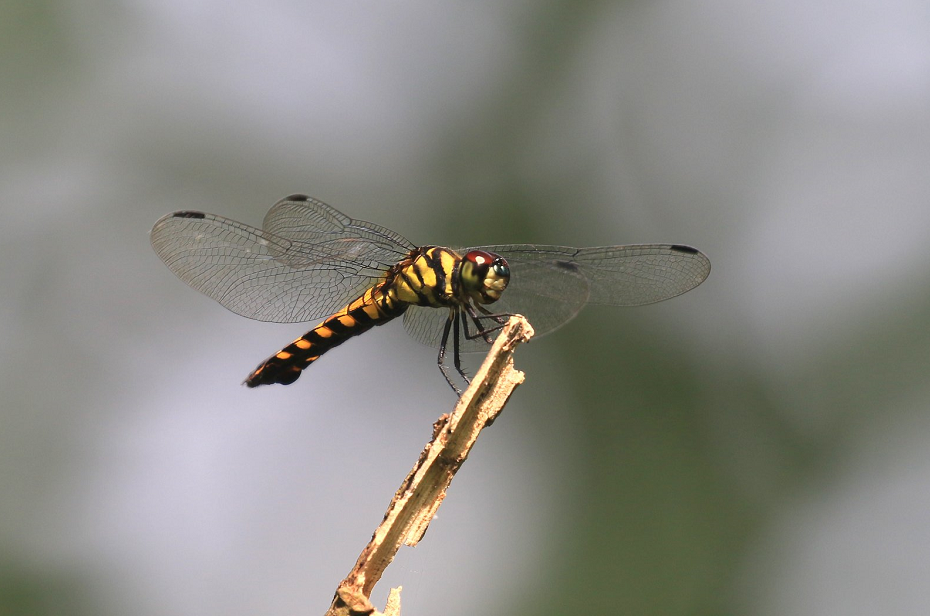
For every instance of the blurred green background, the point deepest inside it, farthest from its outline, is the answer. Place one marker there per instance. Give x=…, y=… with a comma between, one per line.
x=758, y=446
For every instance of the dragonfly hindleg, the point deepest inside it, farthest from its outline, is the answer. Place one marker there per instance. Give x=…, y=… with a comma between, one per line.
x=452, y=321
x=457, y=356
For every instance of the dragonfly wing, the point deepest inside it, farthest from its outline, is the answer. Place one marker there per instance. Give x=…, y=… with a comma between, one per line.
x=331, y=234
x=425, y=325
x=261, y=275
x=617, y=275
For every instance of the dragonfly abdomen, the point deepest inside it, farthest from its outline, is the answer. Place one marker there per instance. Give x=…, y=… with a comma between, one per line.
x=373, y=308
x=424, y=278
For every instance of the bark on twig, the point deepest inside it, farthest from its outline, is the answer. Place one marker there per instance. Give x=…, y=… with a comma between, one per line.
x=421, y=493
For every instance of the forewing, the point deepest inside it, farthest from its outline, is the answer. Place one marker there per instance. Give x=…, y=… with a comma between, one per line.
x=617, y=275
x=262, y=275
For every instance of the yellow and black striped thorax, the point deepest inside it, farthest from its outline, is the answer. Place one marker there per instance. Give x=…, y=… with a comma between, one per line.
x=427, y=277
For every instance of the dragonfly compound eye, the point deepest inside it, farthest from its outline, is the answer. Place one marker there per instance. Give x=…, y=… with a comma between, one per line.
x=484, y=276
x=500, y=268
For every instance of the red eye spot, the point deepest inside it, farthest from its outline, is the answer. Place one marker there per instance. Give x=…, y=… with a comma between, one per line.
x=480, y=259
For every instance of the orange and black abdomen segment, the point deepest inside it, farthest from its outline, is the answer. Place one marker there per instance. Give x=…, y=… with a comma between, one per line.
x=372, y=308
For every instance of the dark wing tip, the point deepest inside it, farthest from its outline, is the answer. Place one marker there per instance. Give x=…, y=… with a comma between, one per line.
x=297, y=197
x=187, y=214
x=685, y=249
x=164, y=222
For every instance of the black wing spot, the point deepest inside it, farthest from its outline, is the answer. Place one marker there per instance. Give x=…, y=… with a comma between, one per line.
x=567, y=265
x=298, y=197
x=188, y=215
x=685, y=249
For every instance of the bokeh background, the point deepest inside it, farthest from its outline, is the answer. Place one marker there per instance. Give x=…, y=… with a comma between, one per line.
x=759, y=446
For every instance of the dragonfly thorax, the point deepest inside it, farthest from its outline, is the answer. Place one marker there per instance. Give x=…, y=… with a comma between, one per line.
x=483, y=276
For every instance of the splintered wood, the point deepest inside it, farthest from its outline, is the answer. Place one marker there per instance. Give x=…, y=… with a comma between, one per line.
x=424, y=488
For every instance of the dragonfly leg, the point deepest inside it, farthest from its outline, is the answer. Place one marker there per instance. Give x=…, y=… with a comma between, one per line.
x=453, y=319
x=477, y=334
x=483, y=331
x=497, y=316
x=457, y=358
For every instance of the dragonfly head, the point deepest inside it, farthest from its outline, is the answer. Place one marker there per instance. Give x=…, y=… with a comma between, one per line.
x=484, y=276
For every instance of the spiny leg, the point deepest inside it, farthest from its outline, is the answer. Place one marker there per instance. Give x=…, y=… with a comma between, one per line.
x=457, y=359
x=480, y=333
x=453, y=317
x=483, y=332
x=497, y=316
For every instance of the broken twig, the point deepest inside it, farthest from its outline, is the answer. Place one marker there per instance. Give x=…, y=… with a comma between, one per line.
x=424, y=488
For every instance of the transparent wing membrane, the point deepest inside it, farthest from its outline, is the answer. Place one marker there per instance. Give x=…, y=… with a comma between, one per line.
x=616, y=275
x=272, y=276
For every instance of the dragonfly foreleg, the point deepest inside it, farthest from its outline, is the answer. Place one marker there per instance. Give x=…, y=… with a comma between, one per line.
x=497, y=316
x=483, y=332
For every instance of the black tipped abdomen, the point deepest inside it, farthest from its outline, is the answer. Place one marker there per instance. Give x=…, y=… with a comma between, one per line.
x=270, y=373
x=285, y=366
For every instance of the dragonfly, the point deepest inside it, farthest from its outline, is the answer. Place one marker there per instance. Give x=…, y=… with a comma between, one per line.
x=310, y=261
